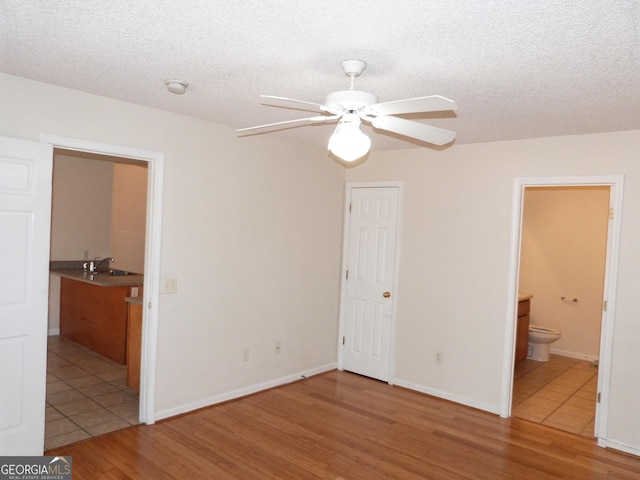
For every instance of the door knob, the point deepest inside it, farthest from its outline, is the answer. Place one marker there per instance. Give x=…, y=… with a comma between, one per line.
x=386, y=294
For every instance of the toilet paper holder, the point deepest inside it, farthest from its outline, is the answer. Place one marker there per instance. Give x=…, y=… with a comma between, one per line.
x=567, y=300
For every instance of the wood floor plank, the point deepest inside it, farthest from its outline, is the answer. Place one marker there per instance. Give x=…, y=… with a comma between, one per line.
x=341, y=426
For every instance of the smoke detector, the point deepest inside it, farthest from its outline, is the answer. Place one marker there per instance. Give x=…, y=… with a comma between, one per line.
x=176, y=86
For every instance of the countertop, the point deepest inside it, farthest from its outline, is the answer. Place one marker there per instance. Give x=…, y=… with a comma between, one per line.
x=101, y=279
x=524, y=296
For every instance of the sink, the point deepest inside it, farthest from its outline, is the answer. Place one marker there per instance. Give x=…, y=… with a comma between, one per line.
x=120, y=273
x=108, y=273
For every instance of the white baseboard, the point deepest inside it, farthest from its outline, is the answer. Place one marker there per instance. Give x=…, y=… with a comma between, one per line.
x=580, y=356
x=469, y=402
x=623, y=447
x=53, y=332
x=242, y=392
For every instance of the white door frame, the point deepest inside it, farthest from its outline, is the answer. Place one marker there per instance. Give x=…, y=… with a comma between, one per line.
x=616, y=184
x=155, y=161
x=345, y=257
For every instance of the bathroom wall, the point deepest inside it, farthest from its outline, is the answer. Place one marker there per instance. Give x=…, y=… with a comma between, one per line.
x=564, y=237
x=129, y=214
x=81, y=208
x=99, y=206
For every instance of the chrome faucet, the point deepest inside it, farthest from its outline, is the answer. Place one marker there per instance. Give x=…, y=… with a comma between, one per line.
x=92, y=266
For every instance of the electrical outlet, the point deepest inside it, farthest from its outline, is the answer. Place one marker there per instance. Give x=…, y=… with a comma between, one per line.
x=245, y=355
x=278, y=347
x=85, y=254
x=437, y=358
x=134, y=291
x=170, y=285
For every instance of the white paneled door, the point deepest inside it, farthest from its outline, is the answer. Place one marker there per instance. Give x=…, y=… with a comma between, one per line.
x=25, y=215
x=370, y=278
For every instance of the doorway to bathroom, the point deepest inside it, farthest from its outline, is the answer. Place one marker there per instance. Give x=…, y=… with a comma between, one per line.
x=564, y=255
x=152, y=167
x=99, y=206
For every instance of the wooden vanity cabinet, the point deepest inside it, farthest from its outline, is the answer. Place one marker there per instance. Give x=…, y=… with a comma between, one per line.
x=522, y=331
x=134, y=344
x=95, y=316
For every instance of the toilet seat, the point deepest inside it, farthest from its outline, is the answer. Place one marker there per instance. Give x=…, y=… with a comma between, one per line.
x=540, y=329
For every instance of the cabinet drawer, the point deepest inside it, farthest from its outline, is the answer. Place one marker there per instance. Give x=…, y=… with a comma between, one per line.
x=524, y=307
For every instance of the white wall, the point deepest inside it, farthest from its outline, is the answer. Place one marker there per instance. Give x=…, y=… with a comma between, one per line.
x=251, y=229
x=81, y=208
x=564, y=241
x=100, y=207
x=128, y=216
x=456, y=229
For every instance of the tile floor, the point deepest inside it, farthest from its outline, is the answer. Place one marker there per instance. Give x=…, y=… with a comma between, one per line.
x=560, y=393
x=87, y=394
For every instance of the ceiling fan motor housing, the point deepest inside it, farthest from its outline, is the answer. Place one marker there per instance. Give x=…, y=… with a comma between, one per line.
x=350, y=99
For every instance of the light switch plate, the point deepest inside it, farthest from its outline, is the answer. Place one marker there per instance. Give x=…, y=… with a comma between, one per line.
x=170, y=285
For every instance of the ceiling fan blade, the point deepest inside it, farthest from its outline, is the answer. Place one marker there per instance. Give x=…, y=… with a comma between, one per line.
x=433, y=103
x=289, y=103
x=417, y=130
x=297, y=104
x=286, y=124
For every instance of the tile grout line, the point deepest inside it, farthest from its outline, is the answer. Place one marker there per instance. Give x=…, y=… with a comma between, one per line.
x=540, y=388
x=71, y=387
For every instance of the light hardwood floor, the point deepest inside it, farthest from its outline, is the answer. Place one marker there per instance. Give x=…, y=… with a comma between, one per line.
x=341, y=426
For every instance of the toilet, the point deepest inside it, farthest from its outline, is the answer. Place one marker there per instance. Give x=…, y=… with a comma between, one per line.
x=539, y=340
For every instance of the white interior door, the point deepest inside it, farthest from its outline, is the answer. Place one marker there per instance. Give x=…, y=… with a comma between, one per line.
x=25, y=216
x=369, y=293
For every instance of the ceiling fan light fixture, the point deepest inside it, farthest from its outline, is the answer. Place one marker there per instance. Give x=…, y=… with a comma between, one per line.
x=350, y=107
x=176, y=86
x=348, y=142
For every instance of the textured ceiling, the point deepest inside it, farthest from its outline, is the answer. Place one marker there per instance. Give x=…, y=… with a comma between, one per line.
x=517, y=69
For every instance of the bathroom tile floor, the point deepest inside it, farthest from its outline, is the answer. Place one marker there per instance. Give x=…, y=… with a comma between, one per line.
x=87, y=394
x=560, y=393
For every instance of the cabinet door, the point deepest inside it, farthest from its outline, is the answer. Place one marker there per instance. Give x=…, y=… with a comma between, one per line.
x=95, y=316
x=522, y=338
x=134, y=342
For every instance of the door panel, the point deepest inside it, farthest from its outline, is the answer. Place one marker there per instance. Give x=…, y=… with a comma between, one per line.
x=371, y=257
x=25, y=212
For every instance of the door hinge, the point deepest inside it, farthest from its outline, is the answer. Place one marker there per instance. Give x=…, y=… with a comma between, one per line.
x=604, y=305
x=347, y=275
x=599, y=397
x=611, y=213
x=349, y=208
x=343, y=339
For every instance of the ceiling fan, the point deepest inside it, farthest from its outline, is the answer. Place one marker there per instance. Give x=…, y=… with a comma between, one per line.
x=350, y=107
